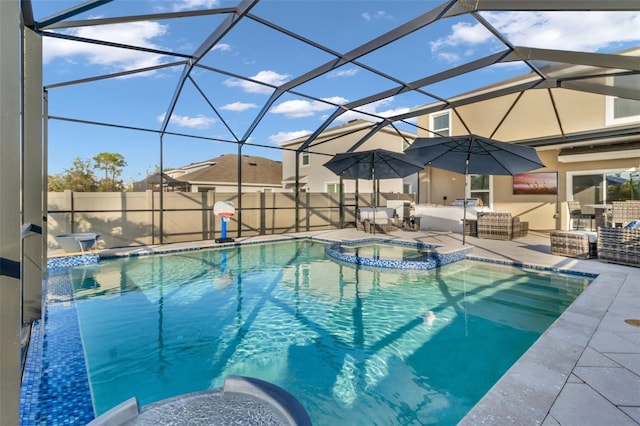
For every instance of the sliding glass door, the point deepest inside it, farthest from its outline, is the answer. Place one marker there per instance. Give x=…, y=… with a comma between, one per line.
x=604, y=187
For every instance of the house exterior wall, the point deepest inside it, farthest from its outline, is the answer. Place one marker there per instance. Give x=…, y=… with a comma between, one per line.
x=325, y=147
x=531, y=117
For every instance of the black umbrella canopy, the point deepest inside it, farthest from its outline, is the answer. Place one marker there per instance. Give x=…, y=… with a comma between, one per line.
x=373, y=164
x=476, y=155
x=485, y=156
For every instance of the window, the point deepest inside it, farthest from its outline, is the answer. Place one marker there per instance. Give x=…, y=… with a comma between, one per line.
x=622, y=110
x=441, y=124
x=333, y=187
x=480, y=186
x=602, y=187
x=304, y=158
x=406, y=188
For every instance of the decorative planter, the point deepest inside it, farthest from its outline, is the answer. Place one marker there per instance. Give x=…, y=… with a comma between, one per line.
x=78, y=242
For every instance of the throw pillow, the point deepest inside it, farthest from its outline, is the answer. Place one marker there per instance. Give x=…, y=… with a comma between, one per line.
x=634, y=224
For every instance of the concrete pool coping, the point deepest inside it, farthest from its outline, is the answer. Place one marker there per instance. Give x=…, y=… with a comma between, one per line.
x=585, y=369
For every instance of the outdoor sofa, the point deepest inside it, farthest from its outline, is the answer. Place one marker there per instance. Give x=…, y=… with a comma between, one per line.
x=378, y=219
x=439, y=217
x=619, y=245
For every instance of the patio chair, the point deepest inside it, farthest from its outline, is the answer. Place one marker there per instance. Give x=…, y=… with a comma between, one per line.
x=500, y=226
x=575, y=215
x=623, y=212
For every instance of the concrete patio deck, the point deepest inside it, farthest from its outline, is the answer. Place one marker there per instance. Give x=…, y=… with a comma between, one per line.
x=584, y=370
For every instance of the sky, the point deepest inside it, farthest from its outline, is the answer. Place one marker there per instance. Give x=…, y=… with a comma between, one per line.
x=255, y=51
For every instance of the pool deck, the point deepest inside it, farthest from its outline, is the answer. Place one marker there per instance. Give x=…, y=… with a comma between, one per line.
x=584, y=370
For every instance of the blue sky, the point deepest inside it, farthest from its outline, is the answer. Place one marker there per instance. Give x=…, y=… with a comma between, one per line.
x=258, y=52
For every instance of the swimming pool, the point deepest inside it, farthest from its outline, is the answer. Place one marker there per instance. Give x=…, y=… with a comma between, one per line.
x=355, y=345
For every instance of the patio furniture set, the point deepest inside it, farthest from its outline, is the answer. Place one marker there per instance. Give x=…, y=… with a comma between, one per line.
x=492, y=225
x=385, y=220
x=618, y=241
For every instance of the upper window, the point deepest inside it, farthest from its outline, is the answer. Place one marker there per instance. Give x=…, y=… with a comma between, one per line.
x=441, y=124
x=304, y=158
x=622, y=110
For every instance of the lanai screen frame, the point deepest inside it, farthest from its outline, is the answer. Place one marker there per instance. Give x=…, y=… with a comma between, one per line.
x=450, y=8
x=23, y=122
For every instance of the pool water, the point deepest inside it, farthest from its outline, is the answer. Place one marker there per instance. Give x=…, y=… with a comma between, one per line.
x=355, y=345
x=385, y=251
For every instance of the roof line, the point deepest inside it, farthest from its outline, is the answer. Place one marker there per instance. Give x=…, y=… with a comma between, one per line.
x=584, y=138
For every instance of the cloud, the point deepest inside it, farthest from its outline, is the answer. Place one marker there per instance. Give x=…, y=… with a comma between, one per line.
x=587, y=31
x=287, y=136
x=379, y=108
x=575, y=31
x=462, y=33
x=238, y=106
x=299, y=108
x=449, y=56
x=380, y=14
x=197, y=122
x=349, y=72
x=136, y=34
x=180, y=5
x=223, y=47
x=269, y=77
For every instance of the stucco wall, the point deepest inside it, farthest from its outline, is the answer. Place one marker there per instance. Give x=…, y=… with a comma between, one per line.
x=336, y=141
x=531, y=116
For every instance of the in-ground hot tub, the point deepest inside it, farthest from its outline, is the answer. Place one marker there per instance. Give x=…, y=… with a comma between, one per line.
x=394, y=254
x=78, y=241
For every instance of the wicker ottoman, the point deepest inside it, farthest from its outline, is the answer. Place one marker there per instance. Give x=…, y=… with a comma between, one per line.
x=580, y=244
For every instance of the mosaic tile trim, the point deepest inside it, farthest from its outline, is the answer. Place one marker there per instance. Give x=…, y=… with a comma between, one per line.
x=432, y=260
x=30, y=391
x=74, y=260
x=55, y=386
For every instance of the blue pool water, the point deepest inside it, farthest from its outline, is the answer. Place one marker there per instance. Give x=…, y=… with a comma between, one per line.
x=356, y=345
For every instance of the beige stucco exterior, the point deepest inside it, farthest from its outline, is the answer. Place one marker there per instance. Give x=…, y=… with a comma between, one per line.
x=314, y=177
x=533, y=117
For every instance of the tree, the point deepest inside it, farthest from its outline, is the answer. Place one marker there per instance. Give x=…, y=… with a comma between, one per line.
x=82, y=177
x=79, y=177
x=112, y=164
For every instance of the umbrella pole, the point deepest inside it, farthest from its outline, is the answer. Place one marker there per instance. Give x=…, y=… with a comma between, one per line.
x=375, y=189
x=464, y=202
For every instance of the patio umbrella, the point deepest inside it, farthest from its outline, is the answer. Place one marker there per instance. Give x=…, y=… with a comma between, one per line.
x=472, y=154
x=372, y=165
